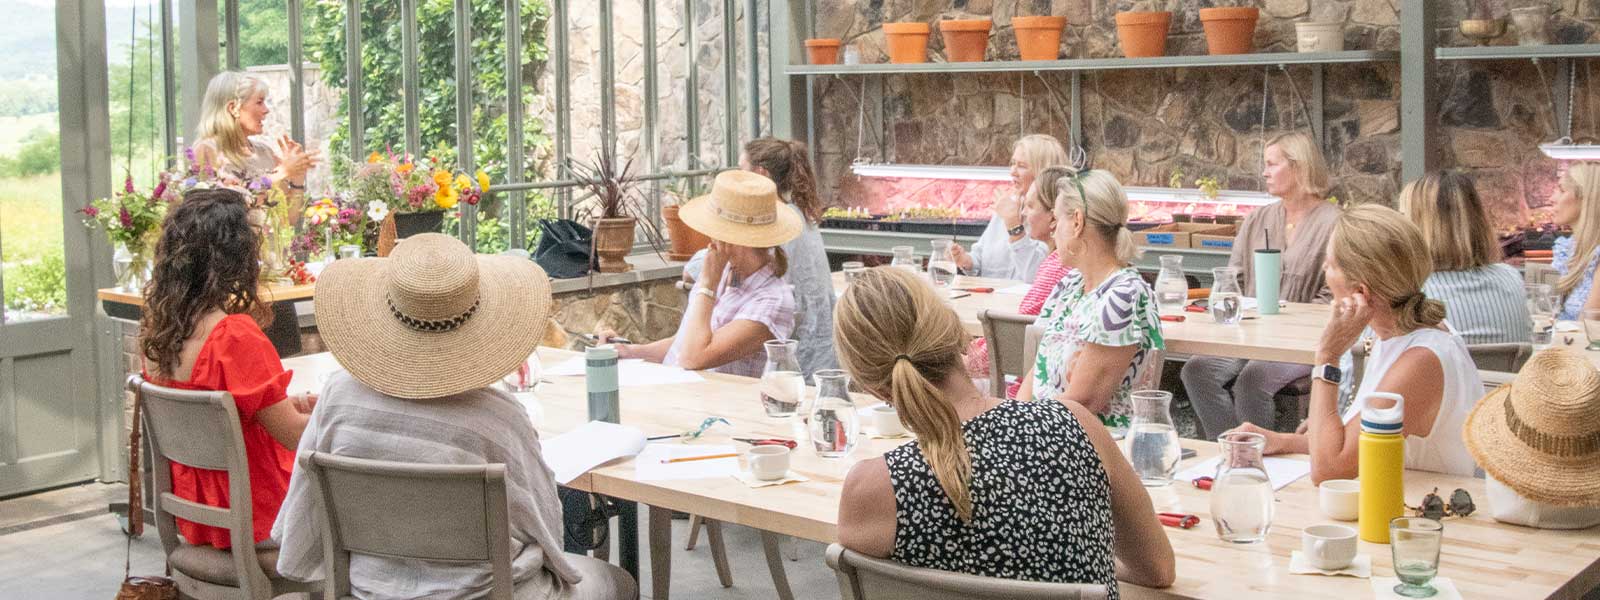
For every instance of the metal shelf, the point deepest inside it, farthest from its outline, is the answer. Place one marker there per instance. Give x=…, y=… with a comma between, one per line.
x=1519, y=52
x=1104, y=64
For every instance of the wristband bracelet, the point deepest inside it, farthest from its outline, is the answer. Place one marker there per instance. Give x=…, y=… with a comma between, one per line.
x=704, y=292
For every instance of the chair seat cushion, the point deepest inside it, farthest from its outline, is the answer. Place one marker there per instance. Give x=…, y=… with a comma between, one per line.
x=214, y=565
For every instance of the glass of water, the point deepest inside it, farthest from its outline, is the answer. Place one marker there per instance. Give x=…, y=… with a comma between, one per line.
x=781, y=381
x=905, y=257
x=942, y=265
x=1152, y=441
x=1414, y=544
x=1241, y=495
x=1542, y=305
x=833, y=425
x=1225, y=296
x=853, y=270
x=349, y=251
x=1591, y=327
x=526, y=377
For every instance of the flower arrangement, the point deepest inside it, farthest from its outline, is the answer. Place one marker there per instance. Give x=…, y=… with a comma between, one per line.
x=131, y=217
x=407, y=185
x=329, y=223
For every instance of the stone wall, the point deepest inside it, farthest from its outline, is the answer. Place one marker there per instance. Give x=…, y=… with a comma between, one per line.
x=641, y=312
x=1141, y=125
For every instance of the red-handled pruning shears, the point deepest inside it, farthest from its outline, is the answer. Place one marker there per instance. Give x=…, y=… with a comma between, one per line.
x=767, y=442
x=977, y=290
x=1179, y=520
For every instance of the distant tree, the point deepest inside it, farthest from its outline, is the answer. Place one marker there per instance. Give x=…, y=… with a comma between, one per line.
x=40, y=155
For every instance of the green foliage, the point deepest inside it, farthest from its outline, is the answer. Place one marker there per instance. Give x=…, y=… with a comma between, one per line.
x=40, y=155
x=30, y=243
x=30, y=96
x=494, y=235
x=141, y=112
x=37, y=285
x=263, y=32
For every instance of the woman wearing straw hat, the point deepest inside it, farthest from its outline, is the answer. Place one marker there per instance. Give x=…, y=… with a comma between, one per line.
x=740, y=300
x=1538, y=439
x=423, y=335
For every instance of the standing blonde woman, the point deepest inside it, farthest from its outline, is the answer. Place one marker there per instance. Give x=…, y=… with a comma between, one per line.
x=232, y=118
x=970, y=494
x=1577, y=205
x=1100, y=323
x=1483, y=296
x=1297, y=224
x=1005, y=251
x=1377, y=264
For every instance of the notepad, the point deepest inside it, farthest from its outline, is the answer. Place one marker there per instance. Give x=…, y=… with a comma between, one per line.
x=593, y=444
x=649, y=466
x=1281, y=471
x=630, y=372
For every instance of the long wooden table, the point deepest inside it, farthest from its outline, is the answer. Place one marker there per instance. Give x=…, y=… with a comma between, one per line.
x=1485, y=558
x=122, y=304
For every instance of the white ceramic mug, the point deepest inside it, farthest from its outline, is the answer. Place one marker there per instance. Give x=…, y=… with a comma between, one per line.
x=1340, y=499
x=1328, y=547
x=886, y=421
x=769, y=463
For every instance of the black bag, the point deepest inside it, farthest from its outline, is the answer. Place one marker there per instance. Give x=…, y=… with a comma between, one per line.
x=564, y=248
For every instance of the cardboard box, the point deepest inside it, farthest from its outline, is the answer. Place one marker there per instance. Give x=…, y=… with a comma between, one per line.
x=1180, y=235
x=1219, y=238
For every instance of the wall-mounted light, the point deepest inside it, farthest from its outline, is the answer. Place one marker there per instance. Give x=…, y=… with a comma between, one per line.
x=1135, y=193
x=1564, y=149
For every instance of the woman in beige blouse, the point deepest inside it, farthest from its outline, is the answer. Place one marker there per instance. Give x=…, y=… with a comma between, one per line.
x=1298, y=224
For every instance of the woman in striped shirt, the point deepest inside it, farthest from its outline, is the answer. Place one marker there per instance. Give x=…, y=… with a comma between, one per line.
x=1483, y=297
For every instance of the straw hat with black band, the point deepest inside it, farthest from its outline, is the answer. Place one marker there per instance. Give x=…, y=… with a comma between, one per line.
x=432, y=319
x=744, y=209
x=1540, y=434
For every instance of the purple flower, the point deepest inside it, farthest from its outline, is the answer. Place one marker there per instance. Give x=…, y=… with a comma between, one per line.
x=161, y=189
x=126, y=218
x=90, y=211
x=127, y=184
x=190, y=182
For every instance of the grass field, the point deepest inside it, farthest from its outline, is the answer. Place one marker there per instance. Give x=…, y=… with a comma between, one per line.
x=13, y=130
x=30, y=239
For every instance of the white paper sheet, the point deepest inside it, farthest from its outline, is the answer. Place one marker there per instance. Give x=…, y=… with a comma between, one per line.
x=648, y=466
x=1281, y=471
x=1020, y=289
x=595, y=443
x=630, y=372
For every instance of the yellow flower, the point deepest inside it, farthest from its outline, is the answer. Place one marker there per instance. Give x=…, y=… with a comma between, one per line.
x=441, y=179
x=374, y=158
x=446, y=196
x=483, y=180
x=463, y=183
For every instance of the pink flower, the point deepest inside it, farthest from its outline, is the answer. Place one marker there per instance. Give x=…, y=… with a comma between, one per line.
x=126, y=218
x=90, y=211
x=127, y=184
x=161, y=189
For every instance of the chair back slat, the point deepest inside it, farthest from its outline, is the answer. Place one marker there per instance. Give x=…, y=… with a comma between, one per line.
x=196, y=512
x=177, y=416
x=1009, y=351
x=414, y=511
x=865, y=578
x=1500, y=357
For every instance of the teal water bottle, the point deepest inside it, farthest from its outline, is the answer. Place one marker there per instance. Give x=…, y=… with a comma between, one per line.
x=600, y=379
x=1268, y=270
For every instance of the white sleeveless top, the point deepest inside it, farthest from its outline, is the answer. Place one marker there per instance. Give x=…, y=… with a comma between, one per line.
x=1444, y=450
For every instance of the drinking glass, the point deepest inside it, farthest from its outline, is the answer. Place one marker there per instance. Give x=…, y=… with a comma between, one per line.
x=1414, y=545
x=852, y=270
x=526, y=377
x=942, y=265
x=1241, y=494
x=1591, y=327
x=781, y=381
x=833, y=425
x=1542, y=306
x=1152, y=441
x=905, y=258
x=1172, y=288
x=349, y=251
x=1224, y=301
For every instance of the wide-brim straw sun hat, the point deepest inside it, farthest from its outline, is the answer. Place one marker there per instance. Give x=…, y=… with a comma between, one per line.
x=432, y=319
x=1540, y=434
x=744, y=209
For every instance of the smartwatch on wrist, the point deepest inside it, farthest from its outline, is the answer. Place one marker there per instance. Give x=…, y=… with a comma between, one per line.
x=1016, y=231
x=1328, y=373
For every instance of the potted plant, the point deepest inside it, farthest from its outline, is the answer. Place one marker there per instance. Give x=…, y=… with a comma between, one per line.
x=908, y=42
x=617, y=209
x=1230, y=29
x=1481, y=26
x=1039, y=37
x=1143, y=30
x=965, y=40
x=823, y=51
x=416, y=192
x=684, y=240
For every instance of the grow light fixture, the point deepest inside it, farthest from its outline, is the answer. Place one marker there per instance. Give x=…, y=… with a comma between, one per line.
x=1564, y=149
x=1135, y=193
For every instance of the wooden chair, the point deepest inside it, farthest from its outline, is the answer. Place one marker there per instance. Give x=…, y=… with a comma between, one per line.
x=201, y=430
x=1009, y=351
x=1508, y=358
x=865, y=578
x=1533, y=272
x=370, y=507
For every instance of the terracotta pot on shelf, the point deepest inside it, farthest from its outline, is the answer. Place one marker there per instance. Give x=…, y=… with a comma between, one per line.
x=685, y=240
x=823, y=51
x=908, y=42
x=1230, y=30
x=965, y=40
x=1039, y=38
x=1143, y=34
x=613, y=240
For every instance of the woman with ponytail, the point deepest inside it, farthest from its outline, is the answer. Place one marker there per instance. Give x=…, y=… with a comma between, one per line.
x=1376, y=266
x=970, y=495
x=1100, y=323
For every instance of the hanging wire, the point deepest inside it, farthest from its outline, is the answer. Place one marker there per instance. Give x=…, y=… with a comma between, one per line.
x=133, y=64
x=150, y=69
x=1261, y=136
x=1294, y=88
x=1572, y=88
x=861, y=116
x=1076, y=156
x=1544, y=84
x=1022, y=106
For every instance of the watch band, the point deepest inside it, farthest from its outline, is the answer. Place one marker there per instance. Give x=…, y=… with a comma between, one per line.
x=1018, y=230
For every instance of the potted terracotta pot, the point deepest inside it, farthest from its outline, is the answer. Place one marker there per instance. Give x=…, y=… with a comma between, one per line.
x=908, y=42
x=1230, y=30
x=1039, y=38
x=685, y=240
x=823, y=51
x=965, y=40
x=1143, y=34
x=613, y=241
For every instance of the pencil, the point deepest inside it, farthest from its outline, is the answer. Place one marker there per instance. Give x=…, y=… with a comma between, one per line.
x=690, y=458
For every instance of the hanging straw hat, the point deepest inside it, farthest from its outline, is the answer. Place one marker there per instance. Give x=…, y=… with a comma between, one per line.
x=1540, y=434
x=433, y=319
x=743, y=208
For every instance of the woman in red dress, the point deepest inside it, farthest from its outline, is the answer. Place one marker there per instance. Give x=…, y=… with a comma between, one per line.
x=197, y=334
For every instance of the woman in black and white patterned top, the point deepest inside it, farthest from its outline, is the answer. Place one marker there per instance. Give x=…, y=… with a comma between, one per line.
x=1033, y=491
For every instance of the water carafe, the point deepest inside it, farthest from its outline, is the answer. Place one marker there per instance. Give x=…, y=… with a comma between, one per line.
x=1224, y=301
x=1172, y=289
x=905, y=257
x=1152, y=442
x=1241, y=495
x=833, y=424
x=781, y=382
x=942, y=264
x=1381, y=462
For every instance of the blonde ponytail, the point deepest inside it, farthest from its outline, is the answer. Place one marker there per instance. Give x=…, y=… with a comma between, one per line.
x=899, y=340
x=1126, y=249
x=1376, y=246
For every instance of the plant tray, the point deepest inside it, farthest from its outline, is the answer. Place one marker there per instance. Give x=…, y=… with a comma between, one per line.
x=965, y=227
x=862, y=224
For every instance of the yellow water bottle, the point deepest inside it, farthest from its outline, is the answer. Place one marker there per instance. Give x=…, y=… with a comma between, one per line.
x=1382, y=464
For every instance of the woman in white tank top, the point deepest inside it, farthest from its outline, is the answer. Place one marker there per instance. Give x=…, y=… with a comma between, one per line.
x=1376, y=265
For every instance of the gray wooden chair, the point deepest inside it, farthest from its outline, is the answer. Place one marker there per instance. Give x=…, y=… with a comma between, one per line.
x=1533, y=272
x=202, y=430
x=370, y=507
x=1009, y=351
x=1508, y=358
x=865, y=578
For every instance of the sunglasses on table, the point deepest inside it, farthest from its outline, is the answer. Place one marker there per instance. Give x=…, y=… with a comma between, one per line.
x=1434, y=507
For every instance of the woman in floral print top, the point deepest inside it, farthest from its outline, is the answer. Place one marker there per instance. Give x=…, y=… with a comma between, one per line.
x=1100, y=323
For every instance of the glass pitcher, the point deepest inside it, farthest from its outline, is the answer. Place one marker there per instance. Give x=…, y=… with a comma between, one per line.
x=1224, y=302
x=1152, y=441
x=1241, y=495
x=905, y=258
x=942, y=264
x=833, y=425
x=1172, y=289
x=781, y=382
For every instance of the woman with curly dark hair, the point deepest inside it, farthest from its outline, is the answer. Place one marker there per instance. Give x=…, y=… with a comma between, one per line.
x=198, y=334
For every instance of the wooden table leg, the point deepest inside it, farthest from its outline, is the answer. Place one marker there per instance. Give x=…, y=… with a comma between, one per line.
x=660, y=552
x=719, y=553
x=694, y=531
x=769, y=543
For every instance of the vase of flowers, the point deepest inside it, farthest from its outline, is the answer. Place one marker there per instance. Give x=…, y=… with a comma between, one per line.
x=131, y=220
x=415, y=192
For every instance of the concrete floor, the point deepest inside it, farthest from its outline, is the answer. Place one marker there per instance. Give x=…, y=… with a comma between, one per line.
x=63, y=545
